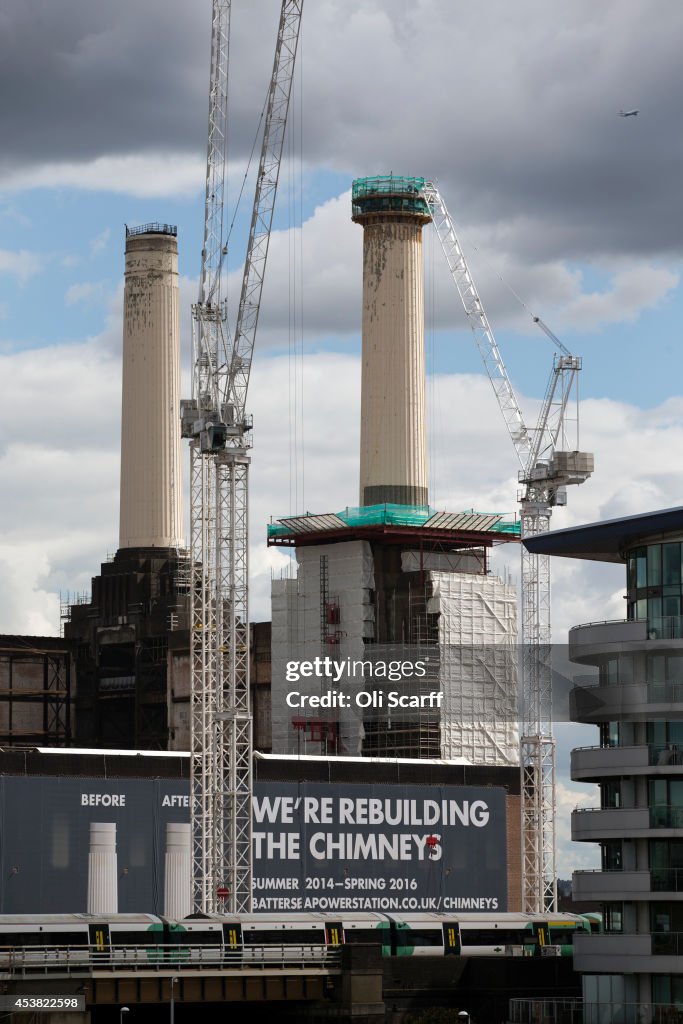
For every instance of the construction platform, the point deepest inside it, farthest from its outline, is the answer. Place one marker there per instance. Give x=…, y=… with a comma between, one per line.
x=396, y=524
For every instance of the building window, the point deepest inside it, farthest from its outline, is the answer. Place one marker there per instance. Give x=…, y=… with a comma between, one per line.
x=637, y=568
x=671, y=564
x=665, y=741
x=613, y=916
x=610, y=793
x=612, y=855
x=666, y=865
x=654, y=565
x=667, y=989
x=610, y=734
x=666, y=803
x=609, y=672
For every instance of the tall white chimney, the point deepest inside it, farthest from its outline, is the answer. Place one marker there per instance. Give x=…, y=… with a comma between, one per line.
x=103, y=879
x=178, y=871
x=151, y=488
x=393, y=448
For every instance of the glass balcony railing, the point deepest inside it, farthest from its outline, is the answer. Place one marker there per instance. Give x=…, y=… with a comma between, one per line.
x=667, y=943
x=665, y=627
x=666, y=879
x=666, y=816
x=664, y=754
x=669, y=691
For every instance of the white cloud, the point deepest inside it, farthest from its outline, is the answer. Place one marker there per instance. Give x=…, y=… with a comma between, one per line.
x=27, y=607
x=21, y=263
x=100, y=242
x=140, y=175
x=631, y=291
x=84, y=292
x=322, y=261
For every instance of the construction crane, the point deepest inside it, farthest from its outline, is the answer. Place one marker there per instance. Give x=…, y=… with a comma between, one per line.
x=216, y=422
x=548, y=465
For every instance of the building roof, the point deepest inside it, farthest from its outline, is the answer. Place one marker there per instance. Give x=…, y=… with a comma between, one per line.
x=397, y=523
x=606, y=541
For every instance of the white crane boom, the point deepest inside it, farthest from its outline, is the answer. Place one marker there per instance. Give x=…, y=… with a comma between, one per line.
x=546, y=470
x=483, y=335
x=277, y=109
x=218, y=428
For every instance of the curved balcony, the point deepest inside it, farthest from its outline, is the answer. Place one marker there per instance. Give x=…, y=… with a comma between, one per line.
x=626, y=702
x=665, y=883
x=595, y=762
x=592, y=763
x=661, y=821
x=591, y=824
x=610, y=885
x=626, y=953
x=597, y=638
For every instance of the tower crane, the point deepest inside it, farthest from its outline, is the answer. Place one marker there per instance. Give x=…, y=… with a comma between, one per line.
x=216, y=422
x=548, y=466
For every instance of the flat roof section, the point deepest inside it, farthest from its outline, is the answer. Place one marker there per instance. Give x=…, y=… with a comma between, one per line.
x=145, y=764
x=398, y=524
x=606, y=541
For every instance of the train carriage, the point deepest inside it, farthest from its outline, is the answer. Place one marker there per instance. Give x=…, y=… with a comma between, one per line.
x=282, y=938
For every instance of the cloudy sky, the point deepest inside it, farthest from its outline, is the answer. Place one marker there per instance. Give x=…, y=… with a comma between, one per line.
x=512, y=109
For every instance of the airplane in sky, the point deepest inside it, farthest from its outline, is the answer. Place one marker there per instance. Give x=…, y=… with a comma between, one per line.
x=628, y=113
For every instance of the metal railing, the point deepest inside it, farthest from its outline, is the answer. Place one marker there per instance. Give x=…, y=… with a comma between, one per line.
x=587, y=810
x=667, y=691
x=658, y=753
x=576, y=1011
x=545, y=1011
x=604, y=622
x=176, y=957
x=152, y=227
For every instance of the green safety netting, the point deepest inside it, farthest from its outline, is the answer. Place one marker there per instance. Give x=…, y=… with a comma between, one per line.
x=386, y=515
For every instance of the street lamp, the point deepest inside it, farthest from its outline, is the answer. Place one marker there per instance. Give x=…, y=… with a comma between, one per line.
x=172, y=1017
x=124, y=1009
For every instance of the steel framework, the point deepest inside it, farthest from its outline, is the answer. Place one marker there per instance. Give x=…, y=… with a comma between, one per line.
x=216, y=422
x=546, y=470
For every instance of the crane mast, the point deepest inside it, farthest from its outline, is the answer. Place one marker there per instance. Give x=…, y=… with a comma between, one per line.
x=547, y=467
x=216, y=423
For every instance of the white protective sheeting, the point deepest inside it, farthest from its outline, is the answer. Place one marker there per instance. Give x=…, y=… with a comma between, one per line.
x=442, y=561
x=478, y=667
x=298, y=634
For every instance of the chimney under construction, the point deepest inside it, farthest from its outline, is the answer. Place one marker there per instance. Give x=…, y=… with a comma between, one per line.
x=394, y=581
x=151, y=494
x=393, y=448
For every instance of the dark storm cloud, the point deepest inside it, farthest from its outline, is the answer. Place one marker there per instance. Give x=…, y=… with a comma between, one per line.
x=512, y=107
x=79, y=80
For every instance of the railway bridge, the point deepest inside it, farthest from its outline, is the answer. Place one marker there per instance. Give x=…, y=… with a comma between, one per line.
x=350, y=984
x=80, y=984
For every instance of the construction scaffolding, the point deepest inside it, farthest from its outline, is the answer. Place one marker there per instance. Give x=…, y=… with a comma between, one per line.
x=395, y=585
x=36, y=705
